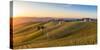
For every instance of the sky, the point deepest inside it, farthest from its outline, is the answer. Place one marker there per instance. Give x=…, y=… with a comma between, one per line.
x=36, y=9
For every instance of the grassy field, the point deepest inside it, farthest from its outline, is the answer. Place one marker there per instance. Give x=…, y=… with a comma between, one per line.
x=26, y=35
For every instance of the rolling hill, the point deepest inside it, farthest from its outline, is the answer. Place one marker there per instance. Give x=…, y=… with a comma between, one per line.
x=26, y=35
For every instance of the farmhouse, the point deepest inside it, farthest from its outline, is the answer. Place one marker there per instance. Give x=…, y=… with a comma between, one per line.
x=58, y=21
x=88, y=20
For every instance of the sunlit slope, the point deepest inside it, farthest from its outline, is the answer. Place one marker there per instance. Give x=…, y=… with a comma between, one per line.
x=55, y=34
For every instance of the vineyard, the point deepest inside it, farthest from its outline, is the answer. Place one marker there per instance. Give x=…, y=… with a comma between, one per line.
x=27, y=35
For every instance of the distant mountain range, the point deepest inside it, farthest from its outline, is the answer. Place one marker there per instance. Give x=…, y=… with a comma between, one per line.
x=20, y=20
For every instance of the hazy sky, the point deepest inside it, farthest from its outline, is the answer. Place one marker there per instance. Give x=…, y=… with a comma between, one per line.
x=35, y=9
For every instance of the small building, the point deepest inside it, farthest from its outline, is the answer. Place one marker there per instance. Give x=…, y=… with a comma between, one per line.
x=58, y=21
x=88, y=20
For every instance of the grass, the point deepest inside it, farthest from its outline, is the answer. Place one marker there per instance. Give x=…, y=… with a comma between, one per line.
x=65, y=34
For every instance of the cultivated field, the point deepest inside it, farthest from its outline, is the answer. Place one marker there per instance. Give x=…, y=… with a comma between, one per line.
x=27, y=35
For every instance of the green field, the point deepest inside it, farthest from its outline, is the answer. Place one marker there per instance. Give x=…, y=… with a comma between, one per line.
x=27, y=35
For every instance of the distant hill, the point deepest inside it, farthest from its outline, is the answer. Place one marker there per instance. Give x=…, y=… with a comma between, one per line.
x=22, y=20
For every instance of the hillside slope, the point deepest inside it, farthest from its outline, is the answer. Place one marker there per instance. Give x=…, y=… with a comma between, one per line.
x=67, y=33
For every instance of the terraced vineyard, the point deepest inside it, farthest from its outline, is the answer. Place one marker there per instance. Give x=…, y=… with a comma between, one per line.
x=26, y=35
